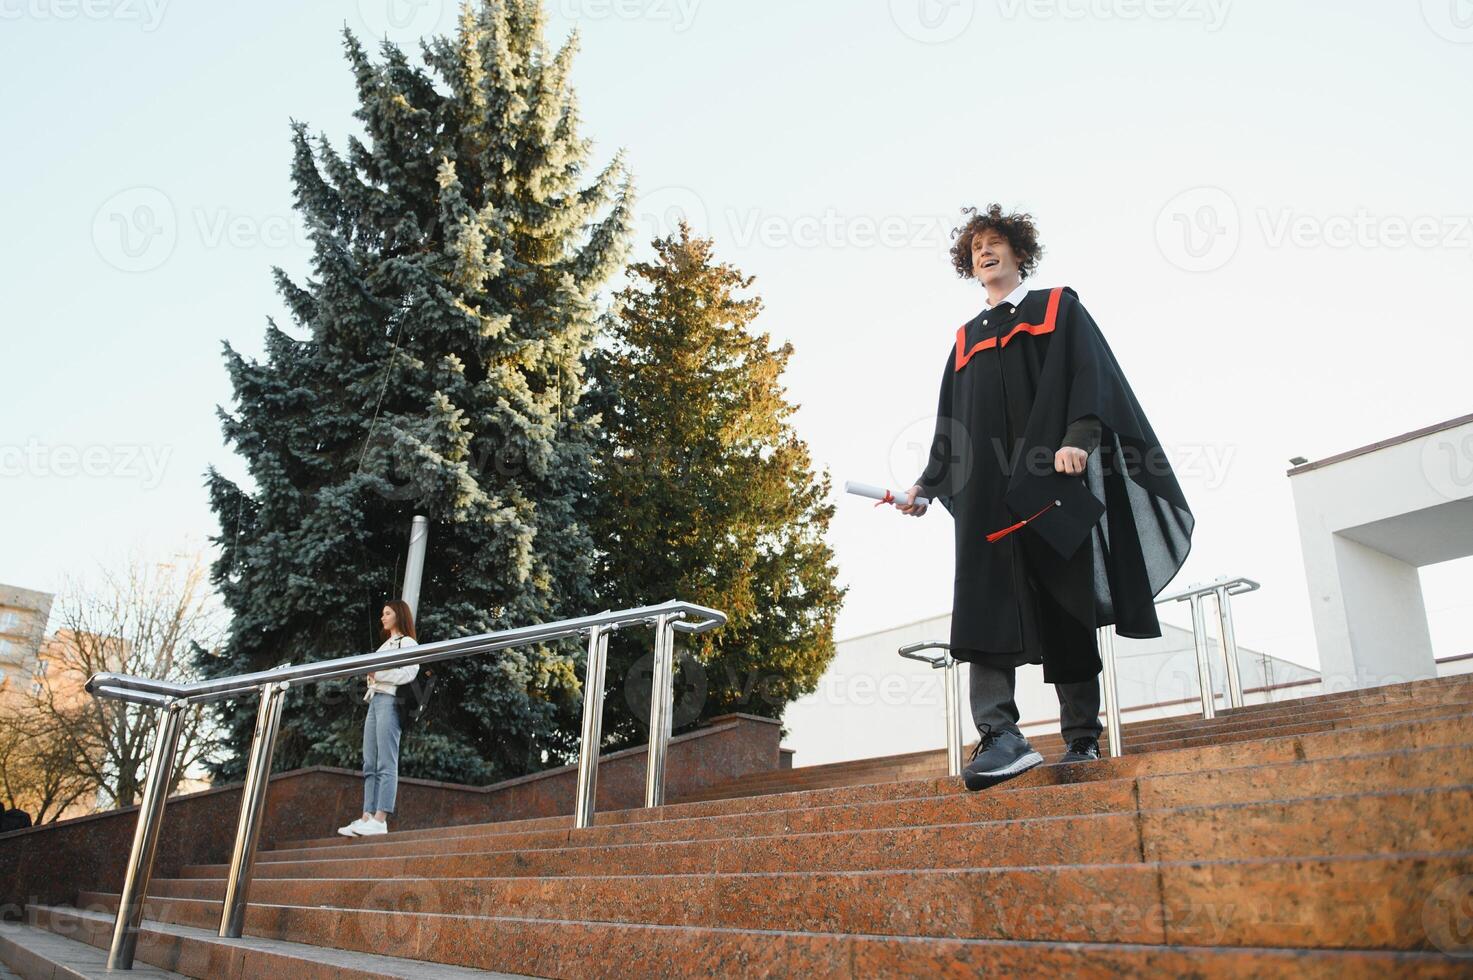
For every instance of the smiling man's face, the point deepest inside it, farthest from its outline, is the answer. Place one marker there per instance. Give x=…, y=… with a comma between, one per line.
x=993, y=261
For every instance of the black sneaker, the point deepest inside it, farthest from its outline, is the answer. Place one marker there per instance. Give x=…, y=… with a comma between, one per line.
x=999, y=756
x=1083, y=749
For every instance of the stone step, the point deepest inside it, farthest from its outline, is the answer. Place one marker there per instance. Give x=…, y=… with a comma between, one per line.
x=1362, y=823
x=1455, y=688
x=773, y=783
x=198, y=952
x=1451, y=730
x=581, y=948
x=1277, y=902
x=1406, y=769
x=33, y=953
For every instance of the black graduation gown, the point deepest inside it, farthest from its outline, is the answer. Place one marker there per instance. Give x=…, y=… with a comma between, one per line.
x=1105, y=543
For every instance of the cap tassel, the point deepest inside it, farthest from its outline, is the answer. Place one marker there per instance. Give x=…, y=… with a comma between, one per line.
x=998, y=535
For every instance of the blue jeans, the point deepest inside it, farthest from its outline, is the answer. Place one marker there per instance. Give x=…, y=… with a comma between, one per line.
x=380, y=754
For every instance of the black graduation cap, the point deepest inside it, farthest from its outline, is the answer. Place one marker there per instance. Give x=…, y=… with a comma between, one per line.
x=1061, y=510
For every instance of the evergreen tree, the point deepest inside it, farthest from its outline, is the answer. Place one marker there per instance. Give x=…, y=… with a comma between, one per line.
x=457, y=252
x=706, y=493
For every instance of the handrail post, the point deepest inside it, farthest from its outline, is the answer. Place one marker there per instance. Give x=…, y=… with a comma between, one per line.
x=252, y=803
x=593, y=709
x=953, y=716
x=1229, y=646
x=145, y=838
x=1105, y=636
x=1204, y=671
x=662, y=696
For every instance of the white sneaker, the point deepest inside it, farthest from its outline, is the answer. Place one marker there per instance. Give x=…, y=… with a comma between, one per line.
x=355, y=828
x=372, y=828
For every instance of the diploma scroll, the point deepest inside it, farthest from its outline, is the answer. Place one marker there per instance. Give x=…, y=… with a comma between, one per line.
x=881, y=494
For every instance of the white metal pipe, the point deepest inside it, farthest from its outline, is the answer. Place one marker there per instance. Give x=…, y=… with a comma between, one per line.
x=414, y=564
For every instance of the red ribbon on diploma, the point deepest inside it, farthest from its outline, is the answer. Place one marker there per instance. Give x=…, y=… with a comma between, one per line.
x=997, y=535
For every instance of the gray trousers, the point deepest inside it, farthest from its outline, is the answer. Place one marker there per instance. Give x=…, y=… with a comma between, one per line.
x=993, y=707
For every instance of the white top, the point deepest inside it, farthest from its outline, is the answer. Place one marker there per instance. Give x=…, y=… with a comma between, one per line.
x=388, y=681
x=1013, y=298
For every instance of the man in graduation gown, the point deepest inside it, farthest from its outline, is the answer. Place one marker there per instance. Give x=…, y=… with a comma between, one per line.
x=1067, y=514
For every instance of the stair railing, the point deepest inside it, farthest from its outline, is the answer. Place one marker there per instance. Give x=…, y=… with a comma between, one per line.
x=1222, y=589
x=953, y=687
x=271, y=686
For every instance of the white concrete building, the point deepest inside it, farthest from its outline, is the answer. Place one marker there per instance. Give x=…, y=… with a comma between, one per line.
x=1368, y=520
x=871, y=702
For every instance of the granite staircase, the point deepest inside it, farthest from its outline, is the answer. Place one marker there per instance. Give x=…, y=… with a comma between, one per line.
x=1324, y=837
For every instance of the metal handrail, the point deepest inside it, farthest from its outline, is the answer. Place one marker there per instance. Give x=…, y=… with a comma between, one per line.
x=944, y=661
x=272, y=685
x=1222, y=589
x=126, y=687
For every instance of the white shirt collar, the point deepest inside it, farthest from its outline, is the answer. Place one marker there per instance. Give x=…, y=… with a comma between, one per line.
x=1013, y=298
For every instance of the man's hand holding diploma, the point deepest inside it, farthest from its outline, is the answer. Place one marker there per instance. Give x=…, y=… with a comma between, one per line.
x=915, y=510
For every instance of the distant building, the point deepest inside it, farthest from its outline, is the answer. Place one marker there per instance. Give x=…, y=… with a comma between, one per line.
x=1369, y=519
x=23, y=617
x=871, y=702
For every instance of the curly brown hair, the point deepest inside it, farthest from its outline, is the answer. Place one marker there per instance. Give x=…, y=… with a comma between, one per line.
x=1017, y=228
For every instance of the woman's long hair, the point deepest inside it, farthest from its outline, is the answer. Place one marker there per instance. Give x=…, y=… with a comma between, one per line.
x=403, y=618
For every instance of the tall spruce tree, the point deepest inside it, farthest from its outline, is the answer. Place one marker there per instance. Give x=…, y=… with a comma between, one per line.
x=705, y=492
x=457, y=251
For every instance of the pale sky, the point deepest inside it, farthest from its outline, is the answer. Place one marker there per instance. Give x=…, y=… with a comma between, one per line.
x=1265, y=206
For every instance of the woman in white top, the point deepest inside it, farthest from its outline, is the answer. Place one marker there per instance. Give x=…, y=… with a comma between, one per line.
x=381, y=727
